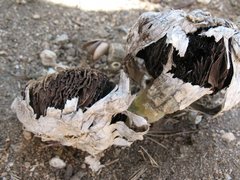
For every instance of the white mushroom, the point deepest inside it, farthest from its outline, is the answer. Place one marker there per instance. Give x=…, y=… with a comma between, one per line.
x=186, y=56
x=77, y=107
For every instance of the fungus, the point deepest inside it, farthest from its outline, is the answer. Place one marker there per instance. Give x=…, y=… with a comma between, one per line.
x=81, y=108
x=185, y=57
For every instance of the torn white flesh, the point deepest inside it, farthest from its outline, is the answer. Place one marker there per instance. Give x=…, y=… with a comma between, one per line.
x=168, y=94
x=90, y=131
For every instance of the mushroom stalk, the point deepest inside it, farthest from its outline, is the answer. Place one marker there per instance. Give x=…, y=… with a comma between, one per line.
x=144, y=107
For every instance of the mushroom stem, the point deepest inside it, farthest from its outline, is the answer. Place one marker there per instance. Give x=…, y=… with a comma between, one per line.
x=144, y=107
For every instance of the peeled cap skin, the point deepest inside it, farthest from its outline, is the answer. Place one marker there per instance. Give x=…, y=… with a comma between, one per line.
x=91, y=130
x=186, y=56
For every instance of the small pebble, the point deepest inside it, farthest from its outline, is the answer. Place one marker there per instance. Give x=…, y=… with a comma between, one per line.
x=83, y=166
x=10, y=164
x=27, y=135
x=56, y=162
x=36, y=16
x=48, y=57
x=228, y=137
x=63, y=38
x=204, y=1
x=198, y=119
x=3, y=53
x=27, y=165
x=56, y=22
x=194, y=117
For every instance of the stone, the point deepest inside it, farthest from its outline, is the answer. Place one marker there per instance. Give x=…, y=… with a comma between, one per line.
x=36, y=16
x=27, y=135
x=228, y=137
x=204, y=1
x=56, y=162
x=63, y=38
x=48, y=57
x=3, y=53
x=27, y=165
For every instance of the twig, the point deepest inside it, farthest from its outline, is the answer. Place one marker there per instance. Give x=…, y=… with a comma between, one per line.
x=171, y=134
x=75, y=22
x=164, y=132
x=179, y=114
x=112, y=162
x=152, y=161
x=137, y=174
x=160, y=144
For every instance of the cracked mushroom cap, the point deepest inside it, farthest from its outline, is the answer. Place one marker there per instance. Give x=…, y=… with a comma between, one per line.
x=185, y=56
x=83, y=109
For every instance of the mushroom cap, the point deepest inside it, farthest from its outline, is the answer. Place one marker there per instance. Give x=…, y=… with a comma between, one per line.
x=88, y=85
x=79, y=108
x=185, y=56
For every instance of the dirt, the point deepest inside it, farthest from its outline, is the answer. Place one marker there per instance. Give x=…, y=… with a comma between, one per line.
x=175, y=148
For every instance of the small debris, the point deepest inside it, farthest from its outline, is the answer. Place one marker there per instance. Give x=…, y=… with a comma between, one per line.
x=194, y=117
x=96, y=48
x=100, y=50
x=63, y=38
x=56, y=22
x=36, y=16
x=198, y=119
x=83, y=166
x=56, y=162
x=137, y=174
x=228, y=137
x=3, y=53
x=204, y=1
x=48, y=58
x=115, y=66
x=27, y=135
x=27, y=165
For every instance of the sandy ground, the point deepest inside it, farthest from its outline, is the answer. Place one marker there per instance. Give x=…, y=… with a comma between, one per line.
x=186, y=152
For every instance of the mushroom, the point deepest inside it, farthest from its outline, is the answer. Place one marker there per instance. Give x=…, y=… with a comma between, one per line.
x=178, y=58
x=80, y=108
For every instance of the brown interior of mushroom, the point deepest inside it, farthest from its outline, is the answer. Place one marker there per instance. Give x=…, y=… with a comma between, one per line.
x=54, y=90
x=204, y=63
x=155, y=56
